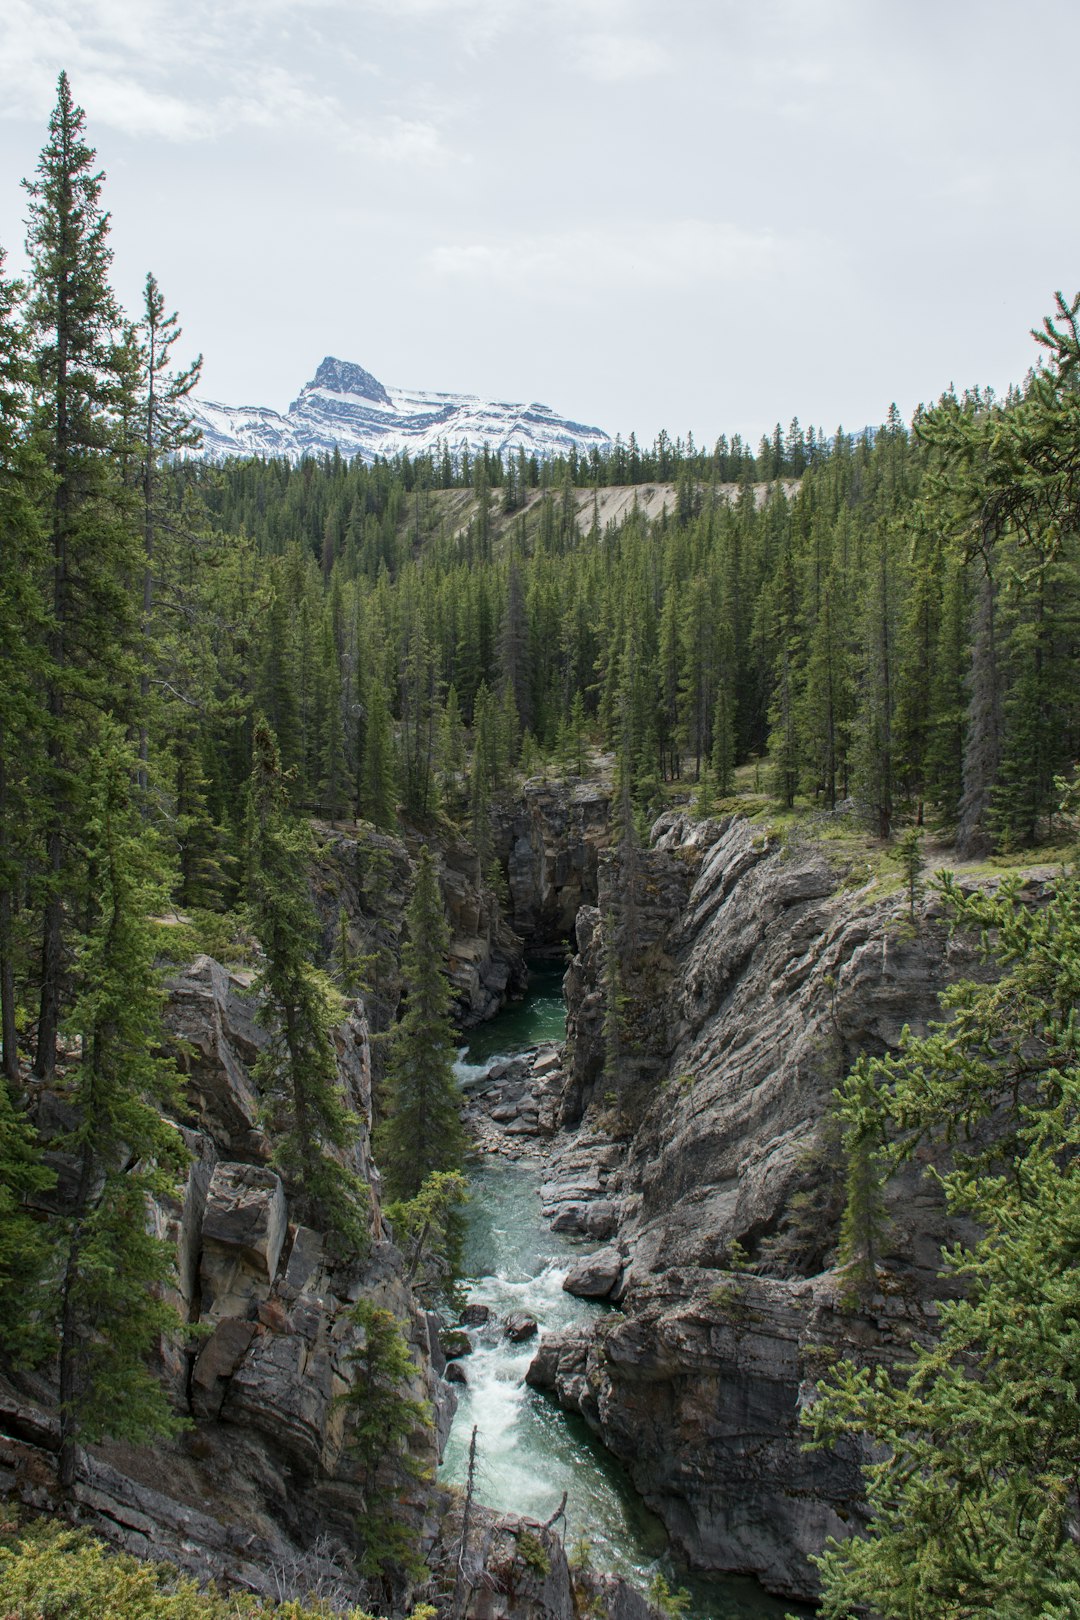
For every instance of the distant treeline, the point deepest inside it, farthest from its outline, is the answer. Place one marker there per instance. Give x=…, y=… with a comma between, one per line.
x=899, y=629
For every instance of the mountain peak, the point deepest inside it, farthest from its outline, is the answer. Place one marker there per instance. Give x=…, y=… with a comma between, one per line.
x=345, y=410
x=342, y=377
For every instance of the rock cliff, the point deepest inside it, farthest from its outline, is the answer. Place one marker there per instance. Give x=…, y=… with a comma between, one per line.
x=264, y=1490
x=762, y=970
x=364, y=875
x=549, y=841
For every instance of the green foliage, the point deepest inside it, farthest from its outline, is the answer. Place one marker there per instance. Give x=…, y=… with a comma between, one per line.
x=314, y=1131
x=423, y=1130
x=126, y=1152
x=863, y=1223
x=430, y=1230
x=384, y=1420
x=53, y=1573
x=534, y=1553
x=672, y=1604
x=972, y=1493
x=24, y=1244
x=907, y=854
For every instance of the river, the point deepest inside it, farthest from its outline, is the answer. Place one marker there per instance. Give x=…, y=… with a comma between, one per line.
x=528, y=1451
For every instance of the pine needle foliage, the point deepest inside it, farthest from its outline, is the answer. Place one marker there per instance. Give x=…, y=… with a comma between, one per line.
x=126, y=1152
x=423, y=1130
x=973, y=1493
x=314, y=1130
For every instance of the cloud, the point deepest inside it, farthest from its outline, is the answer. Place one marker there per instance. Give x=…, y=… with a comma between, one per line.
x=646, y=256
x=618, y=58
x=194, y=72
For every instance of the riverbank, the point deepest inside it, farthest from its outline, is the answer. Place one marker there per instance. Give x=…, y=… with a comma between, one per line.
x=525, y=1181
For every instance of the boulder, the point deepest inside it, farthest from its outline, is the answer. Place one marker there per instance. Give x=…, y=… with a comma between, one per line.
x=519, y=1326
x=217, y=1361
x=216, y=1041
x=596, y=1276
x=455, y=1343
x=244, y=1227
x=475, y=1315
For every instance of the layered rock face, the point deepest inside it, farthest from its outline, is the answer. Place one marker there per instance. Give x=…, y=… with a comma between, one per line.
x=264, y=1491
x=777, y=972
x=550, y=843
x=365, y=874
x=265, y=1473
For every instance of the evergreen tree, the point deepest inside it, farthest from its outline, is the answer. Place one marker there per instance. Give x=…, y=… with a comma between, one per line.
x=314, y=1131
x=977, y=1436
x=24, y=1241
x=423, y=1130
x=23, y=657
x=81, y=394
x=384, y=1419
x=164, y=427
x=378, y=776
x=126, y=1152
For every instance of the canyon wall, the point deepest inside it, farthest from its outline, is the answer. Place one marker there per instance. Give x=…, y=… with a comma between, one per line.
x=761, y=969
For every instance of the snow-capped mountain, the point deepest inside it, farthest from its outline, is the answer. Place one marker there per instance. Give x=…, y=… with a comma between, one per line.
x=345, y=408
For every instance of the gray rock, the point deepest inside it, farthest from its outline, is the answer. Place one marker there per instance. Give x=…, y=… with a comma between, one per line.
x=246, y=1214
x=571, y=1217
x=217, y=1039
x=773, y=976
x=475, y=1315
x=305, y=1258
x=217, y=1361
x=519, y=1326
x=596, y=1276
x=601, y=1218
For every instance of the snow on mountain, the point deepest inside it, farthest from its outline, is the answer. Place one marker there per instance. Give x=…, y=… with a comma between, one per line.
x=345, y=408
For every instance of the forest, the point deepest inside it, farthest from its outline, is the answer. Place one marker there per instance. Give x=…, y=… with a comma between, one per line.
x=196, y=658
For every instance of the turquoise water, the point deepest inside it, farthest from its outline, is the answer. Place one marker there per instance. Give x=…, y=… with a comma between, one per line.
x=529, y=1451
x=540, y=1017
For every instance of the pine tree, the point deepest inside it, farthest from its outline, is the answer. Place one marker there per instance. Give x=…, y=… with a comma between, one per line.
x=164, y=427
x=314, y=1130
x=976, y=1436
x=423, y=1130
x=23, y=658
x=24, y=1241
x=378, y=775
x=81, y=394
x=384, y=1419
x=126, y=1152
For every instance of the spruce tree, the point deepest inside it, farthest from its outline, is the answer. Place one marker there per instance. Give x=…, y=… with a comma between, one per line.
x=81, y=395
x=125, y=1150
x=23, y=656
x=423, y=1130
x=976, y=1435
x=314, y=1131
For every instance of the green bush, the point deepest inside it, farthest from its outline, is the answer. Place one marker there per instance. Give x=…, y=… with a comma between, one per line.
x=48, y=1572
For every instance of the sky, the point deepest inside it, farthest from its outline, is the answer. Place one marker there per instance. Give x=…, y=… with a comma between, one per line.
x=696, y=215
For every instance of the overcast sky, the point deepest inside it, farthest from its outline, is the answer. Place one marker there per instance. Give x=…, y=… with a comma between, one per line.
x=690, y=214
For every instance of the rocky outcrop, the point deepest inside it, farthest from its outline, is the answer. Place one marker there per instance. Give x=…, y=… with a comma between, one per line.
x=641, y=899
x=549, y=842
x=698, y=1388
x=756, y=990
x=265, y=1472
x=364, y=876
x=512, y=1104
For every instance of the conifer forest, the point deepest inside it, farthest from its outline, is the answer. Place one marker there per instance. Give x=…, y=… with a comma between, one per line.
x=204, y=665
